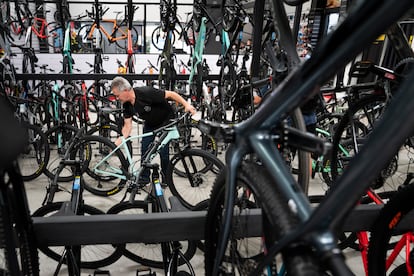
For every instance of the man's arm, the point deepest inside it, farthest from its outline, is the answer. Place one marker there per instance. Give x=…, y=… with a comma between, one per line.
x=126, y=130
x=171, y=95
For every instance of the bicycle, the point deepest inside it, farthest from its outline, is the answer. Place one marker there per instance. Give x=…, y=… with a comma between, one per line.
x=166, y=255
x=76, y=157
x=302, y=232
x=92, y=34
x=112, y=169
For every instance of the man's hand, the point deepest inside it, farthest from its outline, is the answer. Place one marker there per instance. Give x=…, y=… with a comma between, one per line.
x=189, y=108
x=333, y=4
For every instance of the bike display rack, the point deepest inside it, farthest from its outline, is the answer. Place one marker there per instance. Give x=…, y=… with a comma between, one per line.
x=159, y=227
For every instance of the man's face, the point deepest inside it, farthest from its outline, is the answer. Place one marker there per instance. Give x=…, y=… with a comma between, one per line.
x=120, y=95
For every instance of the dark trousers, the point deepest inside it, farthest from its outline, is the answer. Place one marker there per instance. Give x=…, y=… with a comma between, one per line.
x=164, y=154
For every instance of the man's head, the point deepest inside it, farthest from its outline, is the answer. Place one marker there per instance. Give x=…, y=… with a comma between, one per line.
x=121, y=89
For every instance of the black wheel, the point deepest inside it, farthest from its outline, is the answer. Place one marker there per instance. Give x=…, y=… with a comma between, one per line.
x=158, y=38
x=59, y=138
x=108, y=131
x=36, y=154
x=254, y=189
x=148, y=254
x=228, y=79
x=18, y=253
x=384, y=232
x=197, y=171
x=191, y=136
x=353, y=129
x=97, y=178
x=84, y=108
x=92, y=256
x=88, y=36
x=122, y=32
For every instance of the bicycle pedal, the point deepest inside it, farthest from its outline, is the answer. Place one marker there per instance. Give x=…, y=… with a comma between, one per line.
x=145, y=271
x=101, y=272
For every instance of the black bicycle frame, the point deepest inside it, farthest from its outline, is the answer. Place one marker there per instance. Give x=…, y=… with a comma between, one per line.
x=364, y=23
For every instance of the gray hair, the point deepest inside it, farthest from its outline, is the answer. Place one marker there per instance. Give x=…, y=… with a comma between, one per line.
x=121, y=84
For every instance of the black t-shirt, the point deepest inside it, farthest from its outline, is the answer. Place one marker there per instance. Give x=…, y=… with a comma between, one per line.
x=151, y=106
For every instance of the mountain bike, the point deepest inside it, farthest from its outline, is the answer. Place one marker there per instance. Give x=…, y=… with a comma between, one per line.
x=305, y=236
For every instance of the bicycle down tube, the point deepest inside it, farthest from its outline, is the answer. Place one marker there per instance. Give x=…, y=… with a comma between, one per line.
x=253, y=135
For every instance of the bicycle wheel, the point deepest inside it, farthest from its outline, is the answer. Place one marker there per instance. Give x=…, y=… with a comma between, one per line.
x=87, y=39
x=228, y=79
x=352, y=131
x=99, y=183
x=36, y=154
x=384, y=232
x=59, y=138
x=190, y=175
x=191, y=136
x=108, y=131
x=158, y=38
x=18, y=252
x=254, y=190
x=90, y=110
x=148, y=254
x=92, y=256
x=122, y=32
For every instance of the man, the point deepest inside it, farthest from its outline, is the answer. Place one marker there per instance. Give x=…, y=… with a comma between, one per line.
x=152, y=106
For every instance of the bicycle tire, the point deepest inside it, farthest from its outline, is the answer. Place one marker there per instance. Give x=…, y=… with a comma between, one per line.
x=18, y=249
x=191, y=136
x=35, y=157
x=228, y=79
x=92, y=108
x=96, y=183
x=277, y=218
x=123, y=43
x=139, y=252
x=384, y=228
x=66, y=132
x=86, y=42
x=155, y=38
x=342, y=130
x=193, y=184
x=111, y=255
x=109, y=131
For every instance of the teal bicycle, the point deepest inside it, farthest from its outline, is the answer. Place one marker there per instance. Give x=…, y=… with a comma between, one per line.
x=189, y=175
